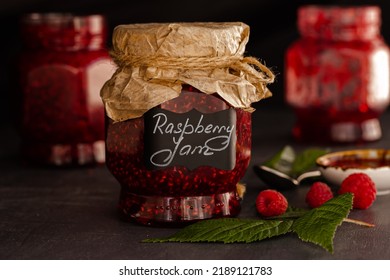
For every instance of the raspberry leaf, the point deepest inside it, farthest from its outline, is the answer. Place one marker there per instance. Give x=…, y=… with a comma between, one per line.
x=282, y=160
x=319, y=225
x=291, y=213
x=306, y=161
x=228, y=230
x=288, y=161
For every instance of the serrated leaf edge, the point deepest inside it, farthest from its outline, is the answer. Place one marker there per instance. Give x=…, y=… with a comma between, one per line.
x=330, y=202
x=247, y=224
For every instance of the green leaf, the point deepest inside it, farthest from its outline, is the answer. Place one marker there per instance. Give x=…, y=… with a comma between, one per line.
x=282, y=160
x=228, y=230
x=306, y=161
x=291, y=213
x=319, y=224
x=289, y=162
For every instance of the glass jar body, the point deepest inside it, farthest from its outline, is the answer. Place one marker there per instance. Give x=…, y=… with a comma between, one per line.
x=337, y=85
x=176, y=194
x=63, y=116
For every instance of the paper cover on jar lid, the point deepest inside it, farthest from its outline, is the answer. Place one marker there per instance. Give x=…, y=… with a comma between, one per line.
x=156, y=59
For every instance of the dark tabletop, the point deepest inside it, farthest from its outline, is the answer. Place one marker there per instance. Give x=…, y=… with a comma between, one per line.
x=48, y=213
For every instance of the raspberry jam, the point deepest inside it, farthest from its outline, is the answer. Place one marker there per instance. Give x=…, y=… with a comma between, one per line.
x=62, y=70
x=359, y=163
x=337, y=75
x=177, y=194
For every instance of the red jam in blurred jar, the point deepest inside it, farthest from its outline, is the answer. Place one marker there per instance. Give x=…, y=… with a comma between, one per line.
x=62, y=68
x=337, y=75
x=178, y=127
x=179, y=192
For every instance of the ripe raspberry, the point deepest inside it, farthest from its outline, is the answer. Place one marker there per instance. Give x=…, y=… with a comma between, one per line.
x=318, y=194
x=271, y=203
x=362, y=187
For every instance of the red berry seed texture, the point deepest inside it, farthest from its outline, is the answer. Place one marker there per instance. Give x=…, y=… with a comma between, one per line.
x=271, y=203
x=362, y=187
x=318, y=194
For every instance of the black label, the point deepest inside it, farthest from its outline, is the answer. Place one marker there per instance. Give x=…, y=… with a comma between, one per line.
x=190, y=139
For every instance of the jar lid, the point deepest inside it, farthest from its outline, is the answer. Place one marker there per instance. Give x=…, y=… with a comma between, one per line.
x=156, y=59
x=181, y=39
x=63, y=31
x=339, y=22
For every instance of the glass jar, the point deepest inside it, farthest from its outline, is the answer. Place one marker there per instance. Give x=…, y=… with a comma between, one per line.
x=180, y=192
x=63, y=66
x=178, y=135
x=337, y=75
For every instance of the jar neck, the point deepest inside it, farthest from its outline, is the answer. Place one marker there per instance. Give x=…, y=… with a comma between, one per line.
x=339, y=23
x=63, y=32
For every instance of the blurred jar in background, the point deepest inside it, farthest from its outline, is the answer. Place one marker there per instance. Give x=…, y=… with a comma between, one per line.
x=337, y=74
x=63, y=66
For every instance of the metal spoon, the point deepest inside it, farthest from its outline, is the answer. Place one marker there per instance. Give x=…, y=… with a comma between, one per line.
x=279, y=180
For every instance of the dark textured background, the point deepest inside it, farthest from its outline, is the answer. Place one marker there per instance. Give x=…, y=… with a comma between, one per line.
x=70, y=214
x=272, y=25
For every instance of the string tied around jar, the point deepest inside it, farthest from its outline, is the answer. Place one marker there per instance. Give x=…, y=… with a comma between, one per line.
x=250, y=66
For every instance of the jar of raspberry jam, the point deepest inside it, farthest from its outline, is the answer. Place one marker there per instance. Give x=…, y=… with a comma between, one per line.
x=164, y=191
x=63, y=66
x=337, y=75
x=178, y=127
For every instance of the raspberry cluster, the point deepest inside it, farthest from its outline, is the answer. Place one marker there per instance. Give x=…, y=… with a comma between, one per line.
x=270, y=203
x=359, y=184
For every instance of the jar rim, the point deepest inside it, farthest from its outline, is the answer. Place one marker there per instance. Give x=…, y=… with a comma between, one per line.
x=65, y=19
x=339, y=22
x=56, y=30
